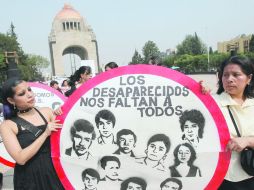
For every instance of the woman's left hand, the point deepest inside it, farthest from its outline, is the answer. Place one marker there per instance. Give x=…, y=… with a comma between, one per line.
x=238, y=144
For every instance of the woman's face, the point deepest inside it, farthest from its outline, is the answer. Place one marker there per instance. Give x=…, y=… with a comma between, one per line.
x=190, y=130
x=23, y=97
x=85, y=77
x=234, y=80
x=184, y=154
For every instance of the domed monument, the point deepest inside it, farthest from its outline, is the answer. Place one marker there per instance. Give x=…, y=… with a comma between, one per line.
x=70, y=34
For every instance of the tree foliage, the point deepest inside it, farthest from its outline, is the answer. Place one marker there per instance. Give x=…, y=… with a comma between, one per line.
x=29, y=65
x=136, y=58
x=251, y=44
x=149, y=50
x=191, y=45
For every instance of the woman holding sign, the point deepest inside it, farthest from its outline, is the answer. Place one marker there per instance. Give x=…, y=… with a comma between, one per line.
x=25, y=132
x=235, y=93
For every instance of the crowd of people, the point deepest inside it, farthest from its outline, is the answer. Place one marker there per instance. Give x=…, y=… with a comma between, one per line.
x=30, y=146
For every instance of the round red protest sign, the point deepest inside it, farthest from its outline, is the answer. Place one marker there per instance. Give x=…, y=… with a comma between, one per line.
x=144, y=126
x=45, y=96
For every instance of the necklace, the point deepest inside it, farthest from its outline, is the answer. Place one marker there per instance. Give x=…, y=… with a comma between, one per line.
x=24, y=111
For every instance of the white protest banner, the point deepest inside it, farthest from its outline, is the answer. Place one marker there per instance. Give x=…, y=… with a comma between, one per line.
x=45, y=96
x=140, y=126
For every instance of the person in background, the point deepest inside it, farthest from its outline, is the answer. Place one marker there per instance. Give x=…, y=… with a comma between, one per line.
x=65, y=86
x=83, y=74
x=28, y=146
x=236, y=92
x=110, y=65
x=54, y=84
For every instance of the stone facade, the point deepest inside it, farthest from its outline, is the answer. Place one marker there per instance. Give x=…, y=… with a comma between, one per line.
x=70, y=33
x=240, y=44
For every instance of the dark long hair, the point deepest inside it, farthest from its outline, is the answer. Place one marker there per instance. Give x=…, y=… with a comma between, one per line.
x=76, y=76
x=9, y=92
x=192, y=157
x=247, y=68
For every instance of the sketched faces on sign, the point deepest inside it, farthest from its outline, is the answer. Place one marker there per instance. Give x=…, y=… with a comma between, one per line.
x=82, y=134
x=192, y=124
x=171, y=184
x=156, y=152
x=105, y=122
x=111, y=166
x=134, y=183
x=90, y=178
x=185, y=155
x=126, y=141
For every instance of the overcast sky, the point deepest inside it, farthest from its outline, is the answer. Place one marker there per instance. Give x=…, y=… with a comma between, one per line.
x=121, y=26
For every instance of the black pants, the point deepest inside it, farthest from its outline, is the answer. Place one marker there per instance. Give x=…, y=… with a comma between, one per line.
x=1, y=180
x=247, y=184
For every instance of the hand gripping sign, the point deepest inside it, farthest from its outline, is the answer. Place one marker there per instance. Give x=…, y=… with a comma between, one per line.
x=45, y=96
x=144, y=127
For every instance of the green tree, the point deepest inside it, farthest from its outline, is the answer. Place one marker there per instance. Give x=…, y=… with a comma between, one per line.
x=149, y=50
x=29, y=65
x=11, y=32
x=32, y=68
x=136, y=58
x=191, y=45
x=251, y=44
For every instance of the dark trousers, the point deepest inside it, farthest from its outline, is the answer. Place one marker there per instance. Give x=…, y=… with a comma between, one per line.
x=247, y=184
x=1, y=180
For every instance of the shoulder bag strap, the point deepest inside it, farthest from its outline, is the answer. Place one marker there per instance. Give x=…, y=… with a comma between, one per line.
x=233, y=120
x=28, y=126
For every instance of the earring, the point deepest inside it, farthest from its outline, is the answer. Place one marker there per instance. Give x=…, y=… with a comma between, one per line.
x=14, y=106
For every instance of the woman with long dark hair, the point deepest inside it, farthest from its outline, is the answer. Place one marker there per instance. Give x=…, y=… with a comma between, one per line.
x=83, y=74
x=185, y=155
x=25, y=133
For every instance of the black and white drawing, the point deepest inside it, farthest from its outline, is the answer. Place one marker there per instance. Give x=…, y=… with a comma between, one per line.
x=90, y=178
x=126, y=141
x=185, y=155
x=111, y=166
x=192, y=124
x=134, y=183
x=105, y=122
x=82, y=134
x=171, y=184
x=156, y=152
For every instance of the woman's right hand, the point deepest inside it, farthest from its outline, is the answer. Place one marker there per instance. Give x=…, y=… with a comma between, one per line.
x=53, y=126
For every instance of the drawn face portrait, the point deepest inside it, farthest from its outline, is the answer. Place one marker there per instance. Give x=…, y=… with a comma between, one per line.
x=156, y=150
x=90, y=182
x=126, y=143
x=190, y=130
x=105, y=127
x=81, y=142
x=111, y=170
x=184, y=154
x=170, y=185
x=134, y=186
